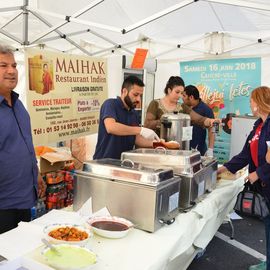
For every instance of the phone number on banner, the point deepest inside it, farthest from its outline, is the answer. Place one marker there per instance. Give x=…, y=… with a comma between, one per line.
x=78, y=127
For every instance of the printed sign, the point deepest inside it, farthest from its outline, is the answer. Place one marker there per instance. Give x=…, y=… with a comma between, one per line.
x=64, y=94
x=225, y=85
x=139, y=58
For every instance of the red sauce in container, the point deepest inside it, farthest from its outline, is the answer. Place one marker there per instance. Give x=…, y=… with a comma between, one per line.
x=110, y=225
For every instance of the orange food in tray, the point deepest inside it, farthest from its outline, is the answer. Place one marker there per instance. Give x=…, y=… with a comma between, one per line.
x=168, y=145
x=68, y=234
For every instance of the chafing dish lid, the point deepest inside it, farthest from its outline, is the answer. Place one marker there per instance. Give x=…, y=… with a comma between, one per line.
x=163, y=156
x=208, y=160
x=127, y=170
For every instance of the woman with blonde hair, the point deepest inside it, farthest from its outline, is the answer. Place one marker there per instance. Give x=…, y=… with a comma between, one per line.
x=254, y=155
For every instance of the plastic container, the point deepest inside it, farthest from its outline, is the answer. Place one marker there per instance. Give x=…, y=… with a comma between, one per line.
x=33, y=212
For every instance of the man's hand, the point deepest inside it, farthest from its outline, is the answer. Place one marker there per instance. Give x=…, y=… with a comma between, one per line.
x=208, y=122
x=221, y=169
x=267, y=157
x=209, y=152
x=149, y=134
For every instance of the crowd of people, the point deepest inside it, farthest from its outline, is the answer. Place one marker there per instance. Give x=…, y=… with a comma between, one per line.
x=120, y=130
x=119, y=127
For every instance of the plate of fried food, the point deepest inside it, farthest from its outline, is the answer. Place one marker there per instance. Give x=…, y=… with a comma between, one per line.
x=65, y=233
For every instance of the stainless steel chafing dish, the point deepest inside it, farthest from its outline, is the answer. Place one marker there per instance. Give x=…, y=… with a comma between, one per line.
x=146, y=195
x=186, y=164
x=128, y=171
x=182, y=161
x=210, y=165
x=176, y=127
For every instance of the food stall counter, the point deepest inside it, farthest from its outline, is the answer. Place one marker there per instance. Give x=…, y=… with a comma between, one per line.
x=168, y=248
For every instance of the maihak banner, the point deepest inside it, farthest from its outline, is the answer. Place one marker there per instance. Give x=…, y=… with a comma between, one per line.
x=64, y=94
x=225, y=85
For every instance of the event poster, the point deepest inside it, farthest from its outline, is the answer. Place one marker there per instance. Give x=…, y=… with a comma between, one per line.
x=64, y=94
x=225, y=85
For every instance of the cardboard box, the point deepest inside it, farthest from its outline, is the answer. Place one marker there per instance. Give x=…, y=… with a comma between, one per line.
x=50, y=162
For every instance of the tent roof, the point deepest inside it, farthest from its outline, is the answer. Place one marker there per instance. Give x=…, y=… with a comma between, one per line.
x=97, y=27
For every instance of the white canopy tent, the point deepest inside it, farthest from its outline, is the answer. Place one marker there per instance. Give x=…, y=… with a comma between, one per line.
x=171, y=30
x=166, y=27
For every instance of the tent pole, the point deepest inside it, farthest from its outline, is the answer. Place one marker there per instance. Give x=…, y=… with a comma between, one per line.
x=165, y=52
x=238, y=48
x=85, y=9
x=11, y=20
x=242, y=3
x=10, y=9
x=97, y=25
x=67, y=18
x=126, y=50
x=25, y=23
x=105, y=50
x=197, y=50
x=241, y=36
x=246, y=37
x=67, y=35
x=52, y=29
x=73, y=18
x=78, y=46
x=62, y=35
x=110, y=41
x=3, y=32
x=183, y=45
x=79, y=32
x=118, y=47
x=157, y=16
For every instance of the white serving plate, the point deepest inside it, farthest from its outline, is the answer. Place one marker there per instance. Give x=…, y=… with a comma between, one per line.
x=70, y=260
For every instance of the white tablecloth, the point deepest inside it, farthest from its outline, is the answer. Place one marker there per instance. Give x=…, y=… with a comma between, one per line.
x=171, y=247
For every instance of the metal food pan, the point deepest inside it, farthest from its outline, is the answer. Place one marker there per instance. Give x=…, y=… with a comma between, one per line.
x=127, y=170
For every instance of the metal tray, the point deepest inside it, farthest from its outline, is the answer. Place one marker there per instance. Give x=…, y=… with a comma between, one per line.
x=182, y=161
x=127, y=170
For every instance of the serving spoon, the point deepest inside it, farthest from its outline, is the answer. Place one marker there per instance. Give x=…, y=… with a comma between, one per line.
x=52, y=247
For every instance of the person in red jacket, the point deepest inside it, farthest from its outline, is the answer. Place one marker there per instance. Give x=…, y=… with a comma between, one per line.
x=254, y=154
